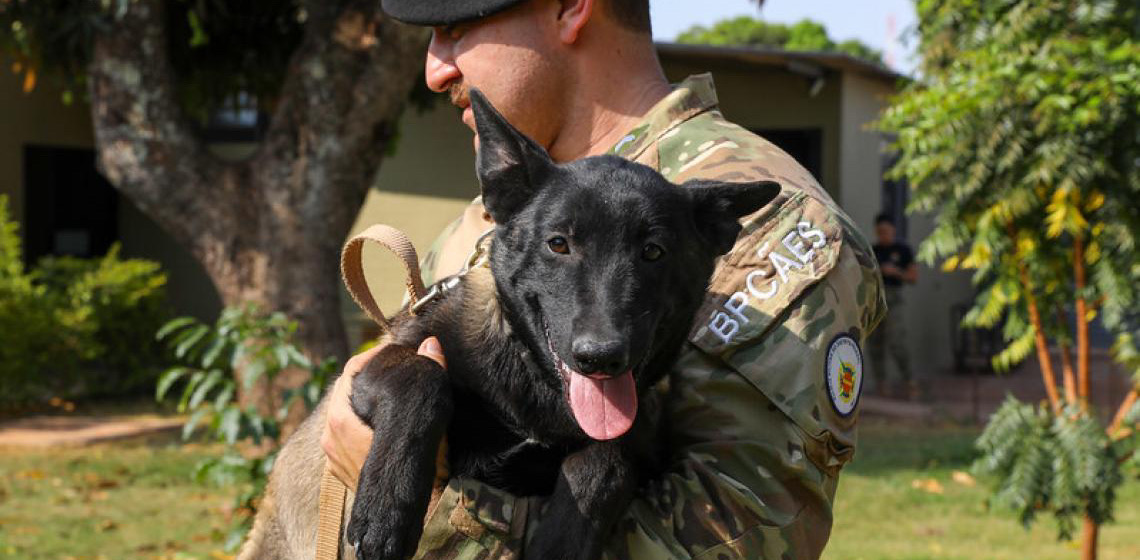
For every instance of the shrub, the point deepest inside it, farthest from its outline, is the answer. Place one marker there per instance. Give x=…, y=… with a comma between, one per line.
x=76, y=327
x=118, y=305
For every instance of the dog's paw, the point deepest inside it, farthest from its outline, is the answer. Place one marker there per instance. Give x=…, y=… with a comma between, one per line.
x=383, y=534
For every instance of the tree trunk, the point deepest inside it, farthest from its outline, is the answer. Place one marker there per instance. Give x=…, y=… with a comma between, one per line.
x=268, y=229
x=1089, y=539
x=1047, y=375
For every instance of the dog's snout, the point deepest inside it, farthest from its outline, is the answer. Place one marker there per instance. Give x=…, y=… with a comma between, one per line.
x=600, y=356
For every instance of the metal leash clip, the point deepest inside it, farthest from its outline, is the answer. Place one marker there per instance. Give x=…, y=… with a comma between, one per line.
x=441, y=288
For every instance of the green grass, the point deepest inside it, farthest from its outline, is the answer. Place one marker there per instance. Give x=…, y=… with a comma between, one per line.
x=127, y=500
x=137, y=500
x=879, y=513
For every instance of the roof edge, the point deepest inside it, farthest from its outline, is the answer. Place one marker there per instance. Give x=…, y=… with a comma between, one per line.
x=773, y=56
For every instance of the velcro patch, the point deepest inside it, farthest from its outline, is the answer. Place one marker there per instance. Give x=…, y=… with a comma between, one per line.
x=844, y=374
x=782, y=251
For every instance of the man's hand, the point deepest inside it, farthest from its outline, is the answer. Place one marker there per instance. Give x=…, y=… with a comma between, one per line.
x=346, y=438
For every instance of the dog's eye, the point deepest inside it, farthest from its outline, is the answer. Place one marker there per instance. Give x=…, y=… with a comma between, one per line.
x=652, y=252
x=559, y=245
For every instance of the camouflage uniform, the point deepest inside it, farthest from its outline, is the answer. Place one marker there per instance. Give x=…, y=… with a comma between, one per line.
x=756, y=435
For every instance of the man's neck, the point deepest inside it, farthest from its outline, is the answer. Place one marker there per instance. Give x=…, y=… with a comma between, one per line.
x=607, y=106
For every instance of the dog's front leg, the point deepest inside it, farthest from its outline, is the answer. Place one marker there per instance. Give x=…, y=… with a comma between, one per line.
x=406, y=400
x=595, y=485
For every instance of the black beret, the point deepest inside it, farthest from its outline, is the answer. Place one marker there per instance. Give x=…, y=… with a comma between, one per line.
x=443, y=12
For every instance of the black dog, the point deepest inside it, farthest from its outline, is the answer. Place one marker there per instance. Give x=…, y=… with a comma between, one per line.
x=596, y=270
x=598, y=267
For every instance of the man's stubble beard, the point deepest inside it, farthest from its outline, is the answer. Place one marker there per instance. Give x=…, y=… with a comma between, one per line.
x=457, y=93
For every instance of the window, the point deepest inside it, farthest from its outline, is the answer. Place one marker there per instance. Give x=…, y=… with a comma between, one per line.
x=69, y=208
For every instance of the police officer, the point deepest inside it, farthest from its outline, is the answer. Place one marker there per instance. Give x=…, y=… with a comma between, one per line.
x=896, y=262
x=763, y=402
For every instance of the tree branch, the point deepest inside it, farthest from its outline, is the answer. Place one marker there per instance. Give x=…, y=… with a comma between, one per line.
x=1047, y=374
x=1123, y=410
x=147, y=148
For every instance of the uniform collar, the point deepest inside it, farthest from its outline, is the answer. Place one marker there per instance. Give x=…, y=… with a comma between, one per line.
x=691, y=97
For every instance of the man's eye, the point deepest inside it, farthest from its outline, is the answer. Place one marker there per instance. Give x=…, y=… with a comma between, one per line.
x=652, y=252
x=559, y=245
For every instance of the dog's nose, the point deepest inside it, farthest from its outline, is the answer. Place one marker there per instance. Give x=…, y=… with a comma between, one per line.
x=595, y=356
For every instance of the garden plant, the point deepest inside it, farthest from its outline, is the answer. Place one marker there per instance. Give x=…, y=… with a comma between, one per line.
x=1022, y=137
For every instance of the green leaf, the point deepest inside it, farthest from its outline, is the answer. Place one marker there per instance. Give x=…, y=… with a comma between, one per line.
x=256, y=425
x=188, y=391
x=208, y=382
x=225, y=396
x=192, y=423
x=174, y=325
x=187, y=340
x=213, y=352
x=281, y=353
x=167, y=379
x=230, y=425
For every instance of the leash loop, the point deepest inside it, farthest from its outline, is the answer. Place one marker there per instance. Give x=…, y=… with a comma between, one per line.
x=333, y=492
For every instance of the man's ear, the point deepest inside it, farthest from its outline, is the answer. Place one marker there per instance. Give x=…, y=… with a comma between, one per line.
x=718, y=207
x=572, y=17
x=510, y=165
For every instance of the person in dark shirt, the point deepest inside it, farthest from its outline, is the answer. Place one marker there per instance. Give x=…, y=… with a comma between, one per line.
x=896, y=262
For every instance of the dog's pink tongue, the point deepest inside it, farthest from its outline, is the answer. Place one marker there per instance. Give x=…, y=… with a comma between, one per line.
x=604, y=408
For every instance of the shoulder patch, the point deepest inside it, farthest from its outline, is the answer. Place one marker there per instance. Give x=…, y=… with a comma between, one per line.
x=844, y=373
x=781, y=252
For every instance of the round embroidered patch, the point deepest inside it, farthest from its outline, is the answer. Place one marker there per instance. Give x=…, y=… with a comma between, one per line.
x=844, y=371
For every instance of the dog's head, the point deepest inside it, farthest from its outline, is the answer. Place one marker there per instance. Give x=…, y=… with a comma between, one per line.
x=600, y=264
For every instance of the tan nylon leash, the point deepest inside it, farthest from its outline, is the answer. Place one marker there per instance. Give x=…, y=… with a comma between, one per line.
x=333, y=491
x=352, y=268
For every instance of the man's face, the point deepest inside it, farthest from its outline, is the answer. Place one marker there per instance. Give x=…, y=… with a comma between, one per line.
x=512, y=57
x=885, y=233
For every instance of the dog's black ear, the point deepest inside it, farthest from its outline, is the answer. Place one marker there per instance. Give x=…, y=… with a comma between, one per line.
x=510, y=165
x=718, y=207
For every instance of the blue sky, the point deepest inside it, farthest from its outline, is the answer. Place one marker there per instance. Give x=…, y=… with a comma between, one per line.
x=866, y=20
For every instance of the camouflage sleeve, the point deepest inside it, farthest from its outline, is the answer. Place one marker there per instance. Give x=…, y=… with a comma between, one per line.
x=761, y=411
x=763, y=402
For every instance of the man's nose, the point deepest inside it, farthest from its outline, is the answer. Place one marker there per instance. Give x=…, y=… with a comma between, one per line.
x=439, y=67
x=594, y=354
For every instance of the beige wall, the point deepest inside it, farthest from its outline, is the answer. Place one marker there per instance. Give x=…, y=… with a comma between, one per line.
x=860, y=163
x=763, y=97
x=190, y=291
x=929, y=301
x=36, y=118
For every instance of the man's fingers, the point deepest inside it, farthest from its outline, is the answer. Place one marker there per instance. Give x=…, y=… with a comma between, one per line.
x=431, y=348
